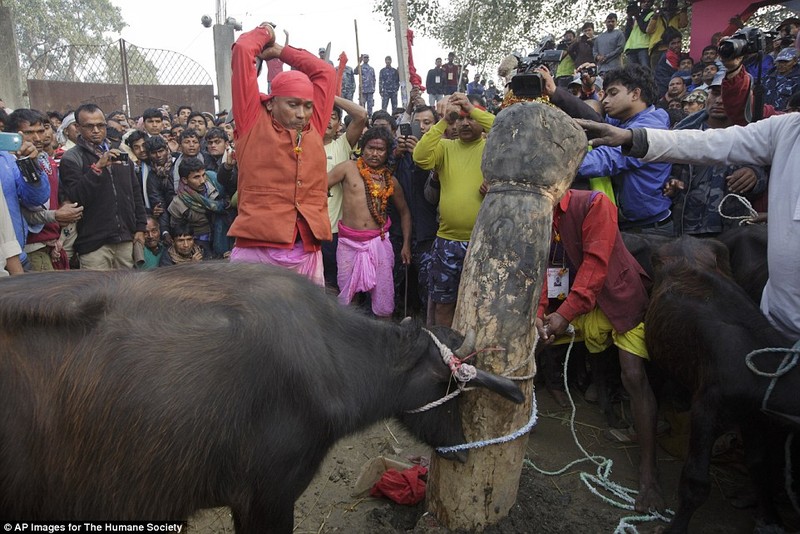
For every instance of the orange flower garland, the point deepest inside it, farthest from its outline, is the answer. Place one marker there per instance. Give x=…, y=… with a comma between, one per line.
x=378, y=186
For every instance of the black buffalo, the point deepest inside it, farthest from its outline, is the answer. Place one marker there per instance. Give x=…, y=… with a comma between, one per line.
x=144, y=396
x=700, y=326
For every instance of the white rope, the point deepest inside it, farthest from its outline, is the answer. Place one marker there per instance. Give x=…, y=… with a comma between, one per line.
x=463, y=372
x=624, y=496
x=743, y=219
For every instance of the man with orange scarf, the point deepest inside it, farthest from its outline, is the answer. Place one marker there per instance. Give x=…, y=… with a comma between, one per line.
x=283, y=208
x=364, y=255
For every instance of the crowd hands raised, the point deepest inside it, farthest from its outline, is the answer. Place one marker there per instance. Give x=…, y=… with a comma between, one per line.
x=401, y=189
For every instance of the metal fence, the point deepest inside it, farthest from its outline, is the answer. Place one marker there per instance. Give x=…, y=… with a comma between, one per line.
x=117, y=75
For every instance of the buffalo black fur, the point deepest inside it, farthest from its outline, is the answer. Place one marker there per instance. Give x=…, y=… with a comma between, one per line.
x=700, y=326
x=150, y=395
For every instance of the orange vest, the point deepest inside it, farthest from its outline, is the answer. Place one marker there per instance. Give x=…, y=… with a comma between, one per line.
x=277, y=183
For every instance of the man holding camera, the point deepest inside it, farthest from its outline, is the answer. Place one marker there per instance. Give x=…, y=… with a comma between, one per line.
x=637, y=46
x=581, y=51
x=591, y=84
x=102, y=180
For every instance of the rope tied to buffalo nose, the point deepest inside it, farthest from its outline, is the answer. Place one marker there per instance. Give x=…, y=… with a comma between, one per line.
x=462, y=372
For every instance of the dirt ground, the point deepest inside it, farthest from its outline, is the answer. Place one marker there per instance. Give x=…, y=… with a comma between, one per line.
x=545, y=504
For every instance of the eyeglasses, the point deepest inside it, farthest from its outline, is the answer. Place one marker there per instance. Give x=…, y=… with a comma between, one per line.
x=91, y=127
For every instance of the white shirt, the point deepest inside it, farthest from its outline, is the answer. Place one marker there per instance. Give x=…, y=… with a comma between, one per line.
x=774, y=141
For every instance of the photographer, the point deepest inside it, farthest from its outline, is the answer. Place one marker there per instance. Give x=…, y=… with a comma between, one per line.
x=668, y=16
x=737, y=87
x=100, y=179
x=591, y=84
x=581, y=51
x=637, y=46
x=566, y=68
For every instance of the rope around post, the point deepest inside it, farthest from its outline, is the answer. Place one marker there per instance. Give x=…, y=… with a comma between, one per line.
x=532, y=420
x=602, y=478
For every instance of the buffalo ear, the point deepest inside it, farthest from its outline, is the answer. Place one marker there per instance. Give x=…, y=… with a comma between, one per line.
x=500, y=385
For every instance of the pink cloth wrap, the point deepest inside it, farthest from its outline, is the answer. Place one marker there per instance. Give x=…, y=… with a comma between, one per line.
x=308, y=264
x=365, y=263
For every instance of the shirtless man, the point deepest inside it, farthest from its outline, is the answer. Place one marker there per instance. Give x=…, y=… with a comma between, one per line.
x=364, y=255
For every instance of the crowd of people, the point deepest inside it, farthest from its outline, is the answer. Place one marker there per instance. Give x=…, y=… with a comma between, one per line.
x=380, y=206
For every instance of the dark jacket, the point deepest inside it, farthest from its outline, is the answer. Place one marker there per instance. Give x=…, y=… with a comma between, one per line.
x=113, y=205
x=431, y=85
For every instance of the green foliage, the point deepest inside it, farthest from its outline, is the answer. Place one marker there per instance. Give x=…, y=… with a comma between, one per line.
x=499, y=27
x=42, y=25
x=768, y=18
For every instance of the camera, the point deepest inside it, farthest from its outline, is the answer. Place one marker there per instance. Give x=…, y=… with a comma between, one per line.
x=744, y=41
x=589, y=71
x=30, y=170
x=122, y=157
x=527, y=83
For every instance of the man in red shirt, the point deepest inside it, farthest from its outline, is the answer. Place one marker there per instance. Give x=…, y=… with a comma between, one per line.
x=283, y=179
x=606, y=303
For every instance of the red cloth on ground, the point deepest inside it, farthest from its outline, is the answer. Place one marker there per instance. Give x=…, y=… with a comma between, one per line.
x=402, y=487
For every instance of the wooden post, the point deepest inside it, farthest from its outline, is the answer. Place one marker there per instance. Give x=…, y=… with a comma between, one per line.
x=400, y=15
x=530, y=159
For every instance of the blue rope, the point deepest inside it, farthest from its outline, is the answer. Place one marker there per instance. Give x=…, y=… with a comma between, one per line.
x=496, y=441
x=787, y=364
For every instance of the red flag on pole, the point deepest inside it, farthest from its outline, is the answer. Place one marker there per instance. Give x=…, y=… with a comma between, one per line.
x=340, y=73
x=413, y=77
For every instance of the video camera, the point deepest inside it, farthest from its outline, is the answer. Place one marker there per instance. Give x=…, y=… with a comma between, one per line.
x=527, y=83
x=745, y=41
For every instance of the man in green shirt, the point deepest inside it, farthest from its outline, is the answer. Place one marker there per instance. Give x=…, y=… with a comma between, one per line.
x=637, y=46
x=458, y=164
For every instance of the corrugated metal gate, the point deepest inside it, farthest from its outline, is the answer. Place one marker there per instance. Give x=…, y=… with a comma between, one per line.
x=117, y=76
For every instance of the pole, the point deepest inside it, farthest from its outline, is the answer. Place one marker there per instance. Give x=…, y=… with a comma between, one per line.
x=400, y=15
x=466, y=48
x=498, y=298
x=123, y=59
x=223, y=41
x=358, y=66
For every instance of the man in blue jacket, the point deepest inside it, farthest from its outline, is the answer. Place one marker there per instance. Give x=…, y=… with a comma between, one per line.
x=629, y=96
x=30, y=191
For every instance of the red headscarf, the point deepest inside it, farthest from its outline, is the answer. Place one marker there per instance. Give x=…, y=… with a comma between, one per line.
x=291, y=83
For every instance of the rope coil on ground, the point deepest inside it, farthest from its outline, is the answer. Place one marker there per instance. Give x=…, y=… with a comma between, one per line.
x=625, y=496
